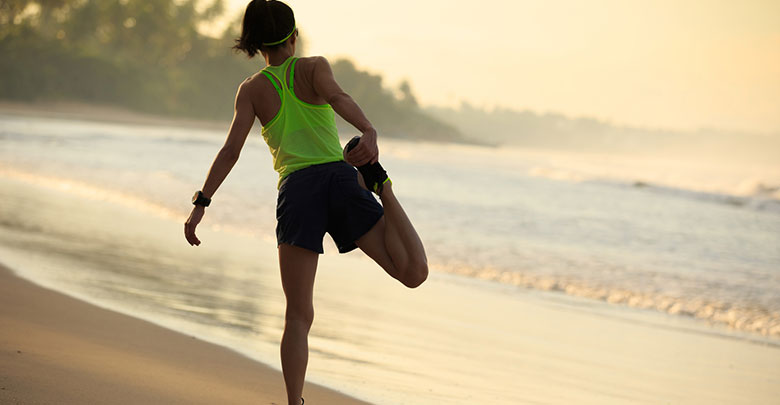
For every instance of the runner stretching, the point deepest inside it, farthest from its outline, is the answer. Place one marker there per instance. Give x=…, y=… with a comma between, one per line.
x=319, y=190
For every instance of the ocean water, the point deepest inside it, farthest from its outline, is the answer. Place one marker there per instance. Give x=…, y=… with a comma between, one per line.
x=88, y=208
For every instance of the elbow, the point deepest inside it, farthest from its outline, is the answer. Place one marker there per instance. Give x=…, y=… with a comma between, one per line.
x=338, y=99
x=229, y=156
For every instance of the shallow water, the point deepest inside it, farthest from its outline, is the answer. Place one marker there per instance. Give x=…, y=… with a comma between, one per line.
x=95, y=210
x=698, y=243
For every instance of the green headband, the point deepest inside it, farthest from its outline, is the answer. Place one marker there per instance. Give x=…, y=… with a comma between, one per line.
x=282, y=40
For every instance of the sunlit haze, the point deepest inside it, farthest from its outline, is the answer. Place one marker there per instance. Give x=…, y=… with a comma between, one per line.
x=668, y=64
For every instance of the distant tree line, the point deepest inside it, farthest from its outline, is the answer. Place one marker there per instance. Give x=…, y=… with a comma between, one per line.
x=149, y=56
x=501, y=126
x=146, y=55
x=396, y=113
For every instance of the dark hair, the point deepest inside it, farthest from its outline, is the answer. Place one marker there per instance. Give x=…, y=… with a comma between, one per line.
x=264, y=22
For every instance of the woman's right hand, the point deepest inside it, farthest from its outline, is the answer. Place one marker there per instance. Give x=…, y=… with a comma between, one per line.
x=192, y=222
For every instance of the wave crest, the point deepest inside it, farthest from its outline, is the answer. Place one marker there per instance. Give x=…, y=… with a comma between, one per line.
x=750, y=193
x=736, y=317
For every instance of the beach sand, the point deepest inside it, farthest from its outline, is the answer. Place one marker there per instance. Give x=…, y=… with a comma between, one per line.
x=58, y=350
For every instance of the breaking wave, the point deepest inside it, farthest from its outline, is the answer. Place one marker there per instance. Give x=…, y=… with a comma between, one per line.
x=740, y=317
x=750, y=193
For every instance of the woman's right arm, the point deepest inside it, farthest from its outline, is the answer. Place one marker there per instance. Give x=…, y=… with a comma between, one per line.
x=326, y=87
x=243, y=119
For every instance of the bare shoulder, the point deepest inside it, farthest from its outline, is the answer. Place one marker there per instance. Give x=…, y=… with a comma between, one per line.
x=312, y=60
x=255, y=87
x=255, y=82
x=311, y=63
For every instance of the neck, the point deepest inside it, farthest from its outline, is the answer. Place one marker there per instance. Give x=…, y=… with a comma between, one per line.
x=278, y=56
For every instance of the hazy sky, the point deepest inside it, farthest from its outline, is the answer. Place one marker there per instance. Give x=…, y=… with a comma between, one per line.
x=662, y=63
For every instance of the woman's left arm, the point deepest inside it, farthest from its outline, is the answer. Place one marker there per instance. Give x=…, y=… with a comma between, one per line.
x=243, y=119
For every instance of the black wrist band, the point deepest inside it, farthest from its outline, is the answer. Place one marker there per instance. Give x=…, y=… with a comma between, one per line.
x=200, y=199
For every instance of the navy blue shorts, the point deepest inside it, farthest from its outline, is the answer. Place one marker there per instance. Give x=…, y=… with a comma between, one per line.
x=324, y=198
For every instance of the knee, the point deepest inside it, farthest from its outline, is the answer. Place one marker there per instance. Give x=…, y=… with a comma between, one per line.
x=416, y=275
x=301, y=316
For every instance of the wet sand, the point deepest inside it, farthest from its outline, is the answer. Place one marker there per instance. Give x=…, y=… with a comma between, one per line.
x=56, y=349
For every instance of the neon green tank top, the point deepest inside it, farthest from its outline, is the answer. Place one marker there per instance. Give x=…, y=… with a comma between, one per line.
x=301, y=134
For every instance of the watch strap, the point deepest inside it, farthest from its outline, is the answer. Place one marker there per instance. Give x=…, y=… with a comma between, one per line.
x=200, y=199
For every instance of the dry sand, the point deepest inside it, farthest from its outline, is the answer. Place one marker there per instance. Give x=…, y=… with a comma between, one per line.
x=58, y=350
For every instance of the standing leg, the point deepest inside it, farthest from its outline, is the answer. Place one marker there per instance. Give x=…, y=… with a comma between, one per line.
x=394, y=244
x=298, y=267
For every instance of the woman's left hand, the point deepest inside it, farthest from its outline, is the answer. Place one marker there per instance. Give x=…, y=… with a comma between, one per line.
x=189, y=227
x=366, y=151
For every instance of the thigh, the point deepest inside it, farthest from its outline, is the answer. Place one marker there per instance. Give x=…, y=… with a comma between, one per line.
x=298, y=267
x=373, y=244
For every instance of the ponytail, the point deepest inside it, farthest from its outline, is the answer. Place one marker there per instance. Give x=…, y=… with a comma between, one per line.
x=267, y=24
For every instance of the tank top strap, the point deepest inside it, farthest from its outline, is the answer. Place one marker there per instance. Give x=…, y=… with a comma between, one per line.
x=274, y=80
x=281, y=76
x=290, y=84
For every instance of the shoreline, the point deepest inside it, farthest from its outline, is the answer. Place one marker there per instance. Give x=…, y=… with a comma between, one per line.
x=57, y=349
x=109, y=114
x=73, y=110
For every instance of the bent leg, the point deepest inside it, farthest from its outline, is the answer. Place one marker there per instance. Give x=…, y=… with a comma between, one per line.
x=394, y=244
x=298, y=267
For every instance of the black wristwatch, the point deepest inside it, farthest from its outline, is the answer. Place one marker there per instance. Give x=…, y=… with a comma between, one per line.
x=200, y=199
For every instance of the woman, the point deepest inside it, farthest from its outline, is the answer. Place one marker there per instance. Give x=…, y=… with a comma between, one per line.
x=295, y=100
